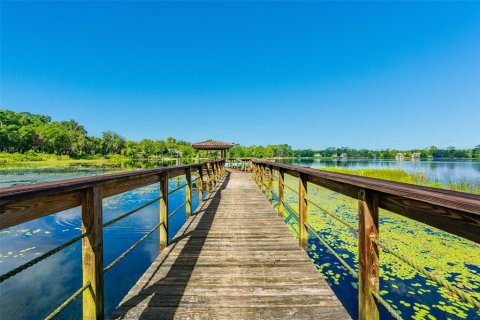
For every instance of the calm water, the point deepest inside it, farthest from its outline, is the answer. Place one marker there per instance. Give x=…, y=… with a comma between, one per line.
x=440, y=170
x=53, y=280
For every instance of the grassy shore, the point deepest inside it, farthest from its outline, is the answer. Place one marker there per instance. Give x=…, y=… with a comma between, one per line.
x=419, y=178
x=12, y=160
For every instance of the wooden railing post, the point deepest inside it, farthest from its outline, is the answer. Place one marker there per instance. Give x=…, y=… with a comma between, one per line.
x=209, y=180
x=188, y=192
x=214, y=174
x=270, y=184
x=368, y=259
x=92, y=253
x=163, y=211
x=302, y=210
x=262, y=178
x=200, y=183
x=281, y=187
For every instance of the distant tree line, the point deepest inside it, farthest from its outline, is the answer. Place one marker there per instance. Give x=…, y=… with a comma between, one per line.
x=271, y=151
x=23, y=131
x=26, y=132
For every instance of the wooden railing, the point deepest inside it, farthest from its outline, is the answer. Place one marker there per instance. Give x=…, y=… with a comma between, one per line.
x=25, y=203
x=242, y=164
x=455, y=212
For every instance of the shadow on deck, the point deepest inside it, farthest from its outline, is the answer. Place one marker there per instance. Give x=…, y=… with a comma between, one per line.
x=235, y=258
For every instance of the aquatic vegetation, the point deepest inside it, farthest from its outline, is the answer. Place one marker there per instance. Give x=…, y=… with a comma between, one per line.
x=447, y=256
x=418, y=178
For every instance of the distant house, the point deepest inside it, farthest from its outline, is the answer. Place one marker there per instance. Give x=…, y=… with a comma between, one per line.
x=374, y=156
x=400, y=156
x=343, y=156
x=317, y=155
x=334, y=156
x=416, y=156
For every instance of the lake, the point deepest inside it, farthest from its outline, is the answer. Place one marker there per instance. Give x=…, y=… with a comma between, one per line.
x=441, y=170
x=51, y=281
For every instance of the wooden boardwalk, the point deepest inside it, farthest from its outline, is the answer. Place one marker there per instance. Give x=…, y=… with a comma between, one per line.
x=234, y=259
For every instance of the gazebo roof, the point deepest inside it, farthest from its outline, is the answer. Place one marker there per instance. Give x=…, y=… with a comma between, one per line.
x=212, y=145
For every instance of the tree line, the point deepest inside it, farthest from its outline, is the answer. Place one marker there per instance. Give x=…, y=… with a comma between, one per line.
x=26, y=132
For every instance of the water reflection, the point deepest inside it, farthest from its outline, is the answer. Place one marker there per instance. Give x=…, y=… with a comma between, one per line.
x=51, y=281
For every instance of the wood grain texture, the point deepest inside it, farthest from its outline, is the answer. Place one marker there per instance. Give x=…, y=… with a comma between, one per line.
x=451, y=211
x=163, y=210
x=188, y=192
x=281, y=192
x=14, y=212
x=92, y=253
x=302, y=211
x=24, y=203
x=234, y=259
x=368, y=258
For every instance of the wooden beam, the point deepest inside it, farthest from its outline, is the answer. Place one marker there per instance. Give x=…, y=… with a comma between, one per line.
x=188, y=192
x=368, y=258
x=302, y=211
x=200, y=185
x=270, y=185
x=163, y=211
x=281, y=188
x=92, y=253
x=455, y=212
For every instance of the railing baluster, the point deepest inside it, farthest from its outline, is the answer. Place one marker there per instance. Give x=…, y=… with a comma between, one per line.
x=209, y=181
x=188, y=192
x=368, y=259
x=92, y=253
x=200, y=183
x=302, y=210
x=281, y=177
x=214, y=175
x=264, y=179
x=270, y=184
x=163, y=210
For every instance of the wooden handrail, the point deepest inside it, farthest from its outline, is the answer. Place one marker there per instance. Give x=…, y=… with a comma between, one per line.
x=451, y=211
x=25, y=203
x=454, y=212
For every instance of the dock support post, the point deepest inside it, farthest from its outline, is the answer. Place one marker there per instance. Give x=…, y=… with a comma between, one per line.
x=262, y=178
x=281, y=177
x=92, y=253
x=200, y=184
x=214, y=174
x=188, y=192
x=209, y=180
x=302, y=211
x=163, y=210
x=368, y=259
x=270, y=184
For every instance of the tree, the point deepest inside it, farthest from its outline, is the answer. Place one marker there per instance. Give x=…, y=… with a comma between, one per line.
x=112, y=143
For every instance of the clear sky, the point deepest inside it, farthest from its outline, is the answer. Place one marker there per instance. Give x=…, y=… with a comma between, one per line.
x=310, y=74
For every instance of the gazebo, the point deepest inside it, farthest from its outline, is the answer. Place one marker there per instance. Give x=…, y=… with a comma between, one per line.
x=214, y=145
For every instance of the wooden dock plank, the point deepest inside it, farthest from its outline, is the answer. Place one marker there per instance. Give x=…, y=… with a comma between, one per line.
x=234, y=259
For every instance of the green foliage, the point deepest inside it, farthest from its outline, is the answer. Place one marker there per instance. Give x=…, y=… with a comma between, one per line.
x=32, y=137
x=22, y=131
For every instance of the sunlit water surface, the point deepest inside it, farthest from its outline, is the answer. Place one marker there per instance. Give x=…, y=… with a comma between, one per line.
x=36, y=292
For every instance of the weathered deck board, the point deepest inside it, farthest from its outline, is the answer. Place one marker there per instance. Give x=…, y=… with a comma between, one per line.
x=234, y=259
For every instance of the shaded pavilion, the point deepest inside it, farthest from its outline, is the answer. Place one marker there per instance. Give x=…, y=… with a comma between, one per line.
x=210, y=145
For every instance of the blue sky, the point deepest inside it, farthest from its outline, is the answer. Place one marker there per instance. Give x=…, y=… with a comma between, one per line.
x=310, y=74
